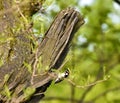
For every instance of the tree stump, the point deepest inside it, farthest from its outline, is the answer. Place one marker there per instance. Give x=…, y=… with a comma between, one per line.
x=19, y=70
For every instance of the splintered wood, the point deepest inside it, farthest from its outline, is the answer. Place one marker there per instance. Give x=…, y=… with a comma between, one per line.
x=52, y=50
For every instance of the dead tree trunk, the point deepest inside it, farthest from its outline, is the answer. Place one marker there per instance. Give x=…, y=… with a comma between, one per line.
x=19, y=70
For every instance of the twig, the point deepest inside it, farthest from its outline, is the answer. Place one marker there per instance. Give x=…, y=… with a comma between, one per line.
x=85, y=86
x=34, y=66
x=22, y=15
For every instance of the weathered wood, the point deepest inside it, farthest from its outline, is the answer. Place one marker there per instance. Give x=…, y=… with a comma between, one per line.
x=52, y=51
x=56, y=42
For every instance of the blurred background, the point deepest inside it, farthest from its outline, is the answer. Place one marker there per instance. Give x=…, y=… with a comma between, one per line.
x=94, y=54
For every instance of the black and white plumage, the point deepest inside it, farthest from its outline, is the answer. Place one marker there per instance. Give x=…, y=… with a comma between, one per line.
x=61, y=76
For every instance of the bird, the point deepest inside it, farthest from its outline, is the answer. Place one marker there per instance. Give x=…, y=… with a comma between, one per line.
x=61, y=76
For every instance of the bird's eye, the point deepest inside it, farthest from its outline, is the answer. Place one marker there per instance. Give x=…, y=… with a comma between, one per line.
x=66, y=74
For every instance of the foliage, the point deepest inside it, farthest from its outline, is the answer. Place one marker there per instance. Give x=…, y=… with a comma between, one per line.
x=94, y=54
x=28, y=92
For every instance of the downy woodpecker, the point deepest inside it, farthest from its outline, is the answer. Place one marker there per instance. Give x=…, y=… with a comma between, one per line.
x=61, y=76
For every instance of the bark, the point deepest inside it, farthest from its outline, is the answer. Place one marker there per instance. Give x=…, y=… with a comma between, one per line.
x=17, y=55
